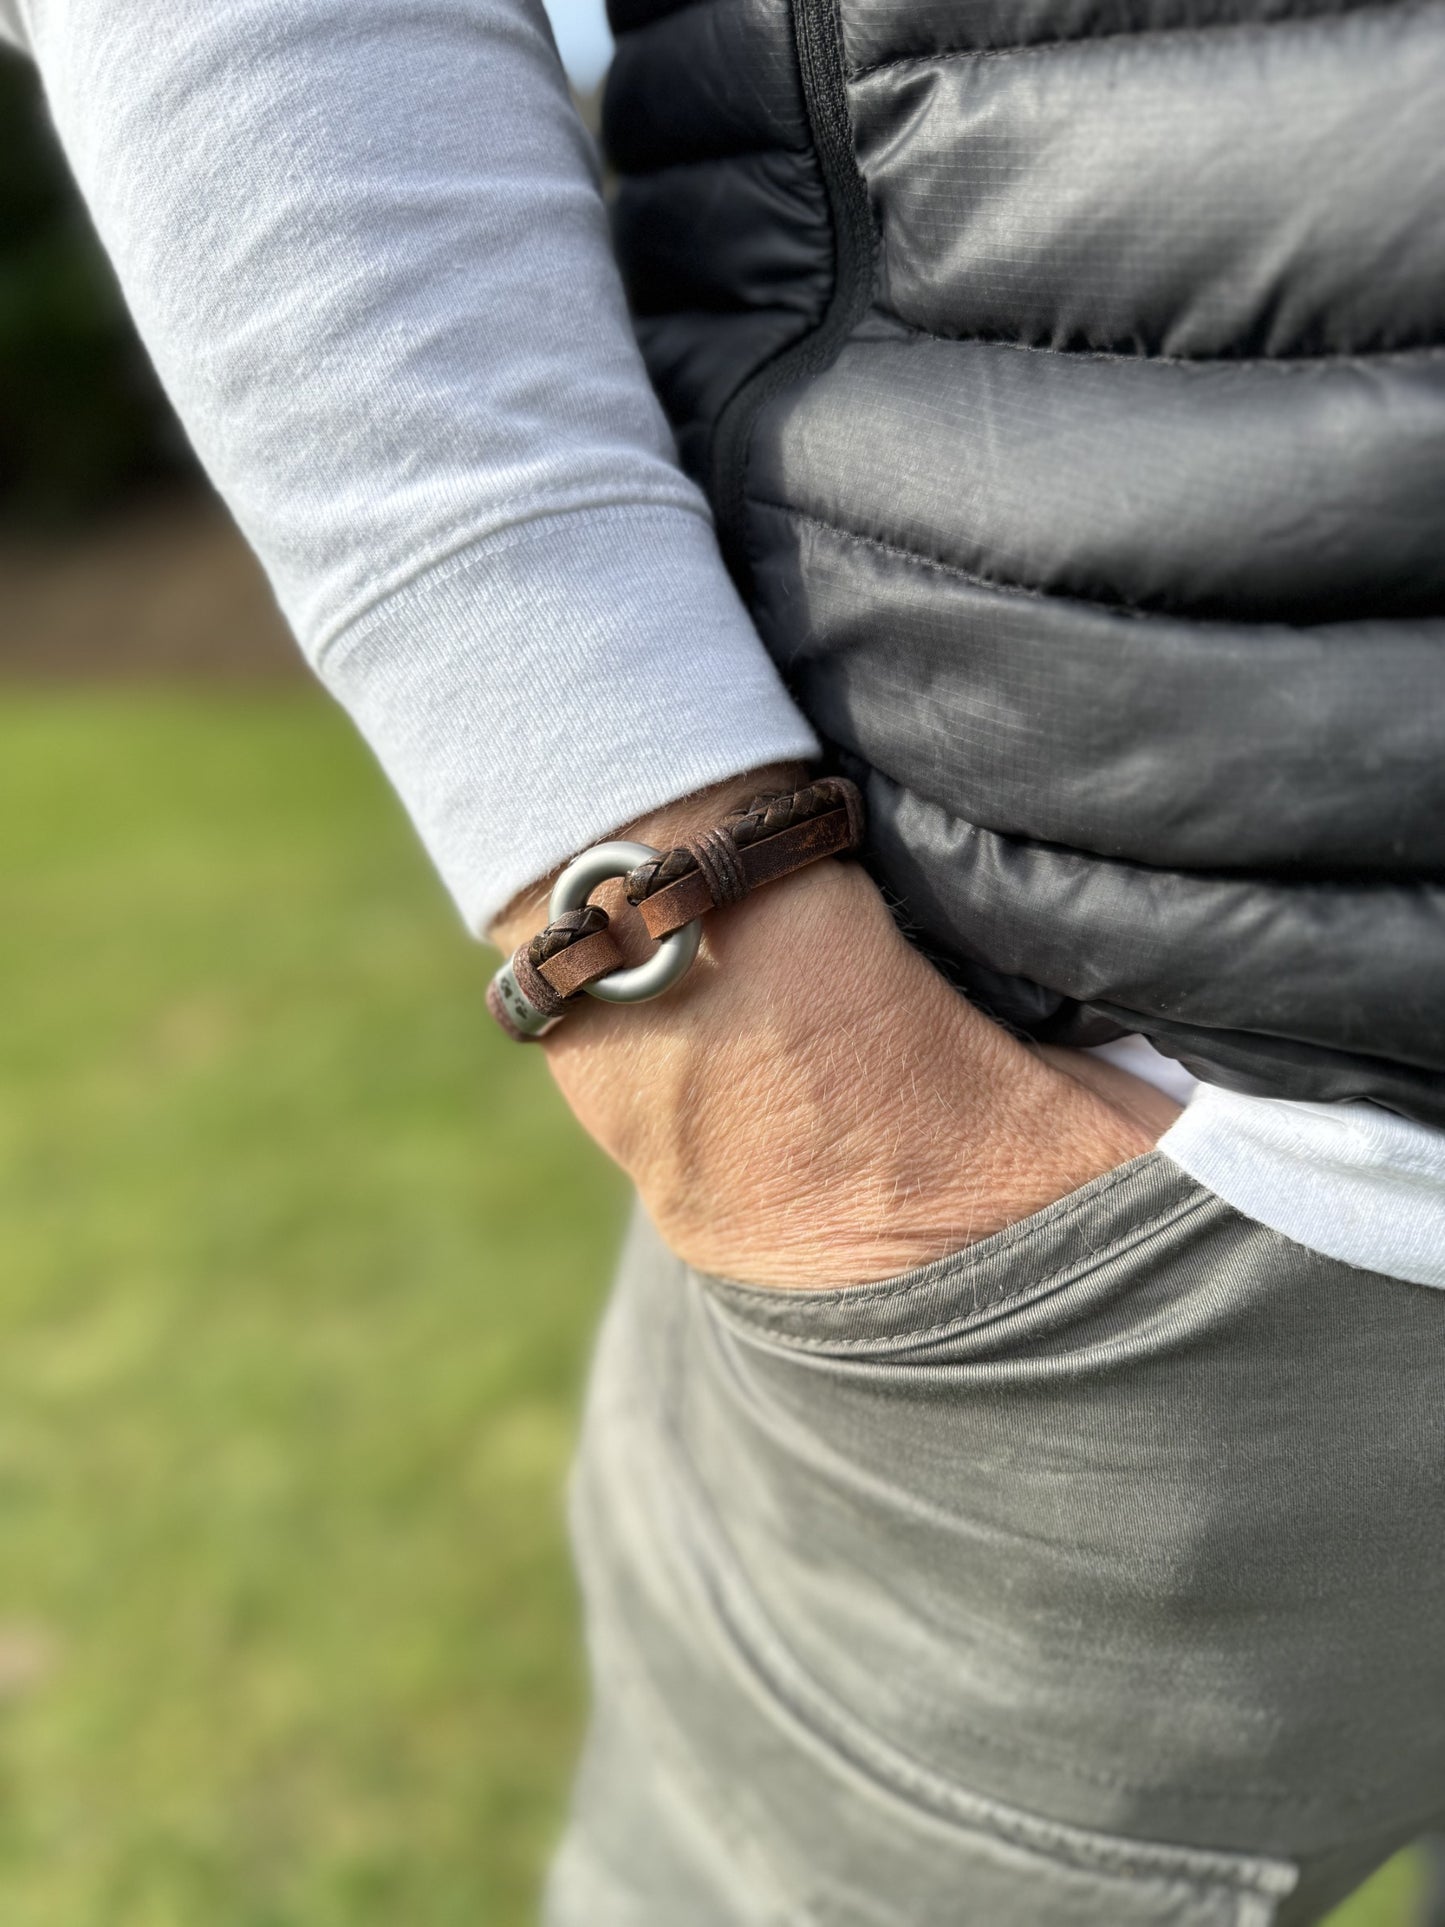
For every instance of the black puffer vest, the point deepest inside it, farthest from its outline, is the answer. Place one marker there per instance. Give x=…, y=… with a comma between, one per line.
x=1069, y=380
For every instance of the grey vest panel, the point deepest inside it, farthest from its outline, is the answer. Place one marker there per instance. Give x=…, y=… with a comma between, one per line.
x=1069, y=377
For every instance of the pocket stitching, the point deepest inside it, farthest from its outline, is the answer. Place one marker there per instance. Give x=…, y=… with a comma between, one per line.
x=921, y=1277
x=883, y=1342
x=892, y=1341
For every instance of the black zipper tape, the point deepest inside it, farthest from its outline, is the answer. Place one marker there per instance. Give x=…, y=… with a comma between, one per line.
x=818, y=39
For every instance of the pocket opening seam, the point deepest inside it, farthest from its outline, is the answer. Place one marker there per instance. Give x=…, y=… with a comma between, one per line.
x=921, y=1277
x=892, y=1342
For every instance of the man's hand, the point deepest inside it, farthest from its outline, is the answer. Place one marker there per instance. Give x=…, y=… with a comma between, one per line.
x=814, y=1105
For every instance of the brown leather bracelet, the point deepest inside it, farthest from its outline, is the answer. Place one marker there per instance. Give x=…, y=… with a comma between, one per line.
x=774, y=836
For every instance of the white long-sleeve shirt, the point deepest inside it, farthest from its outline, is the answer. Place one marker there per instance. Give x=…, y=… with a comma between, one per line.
x=365, y=247
x=364, y=243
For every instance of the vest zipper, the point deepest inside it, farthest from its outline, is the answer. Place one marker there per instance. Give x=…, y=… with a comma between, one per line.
x=818, y=40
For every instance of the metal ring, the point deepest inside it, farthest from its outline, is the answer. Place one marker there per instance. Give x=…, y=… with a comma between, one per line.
x=674, y=954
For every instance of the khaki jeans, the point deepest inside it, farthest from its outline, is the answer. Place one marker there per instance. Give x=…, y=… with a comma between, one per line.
x=1092, y=1577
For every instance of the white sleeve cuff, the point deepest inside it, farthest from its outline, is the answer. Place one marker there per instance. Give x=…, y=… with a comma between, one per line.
x=547, y=685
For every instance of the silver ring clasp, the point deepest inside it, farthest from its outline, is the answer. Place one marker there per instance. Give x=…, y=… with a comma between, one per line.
x=674, y=955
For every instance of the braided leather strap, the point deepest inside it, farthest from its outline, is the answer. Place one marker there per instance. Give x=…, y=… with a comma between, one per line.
x=575, y=950
x=775, y=835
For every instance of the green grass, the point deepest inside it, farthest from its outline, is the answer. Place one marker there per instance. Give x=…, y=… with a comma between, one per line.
x=298, y=1268
x=298, y=1264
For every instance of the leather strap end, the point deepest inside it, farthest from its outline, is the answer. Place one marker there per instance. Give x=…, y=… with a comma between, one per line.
x=678, y=904
x=582, y=963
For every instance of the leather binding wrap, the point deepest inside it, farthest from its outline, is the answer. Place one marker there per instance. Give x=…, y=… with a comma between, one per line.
x=774, y=836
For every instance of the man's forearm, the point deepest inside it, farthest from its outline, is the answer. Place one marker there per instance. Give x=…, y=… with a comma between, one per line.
x=406, y=359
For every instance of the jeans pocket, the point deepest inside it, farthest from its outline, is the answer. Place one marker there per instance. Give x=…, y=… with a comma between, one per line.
x=851, y=1824
x=1091, y=1521
x=727, y=1785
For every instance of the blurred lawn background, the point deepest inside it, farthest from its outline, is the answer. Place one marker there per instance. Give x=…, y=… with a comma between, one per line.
x=299, y=1268
x=299, y=1261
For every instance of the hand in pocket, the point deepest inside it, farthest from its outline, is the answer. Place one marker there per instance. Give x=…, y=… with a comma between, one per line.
x=816, y=1105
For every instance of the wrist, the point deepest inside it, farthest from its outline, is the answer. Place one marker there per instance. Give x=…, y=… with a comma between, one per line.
x=812, y=1100
x=795, y=993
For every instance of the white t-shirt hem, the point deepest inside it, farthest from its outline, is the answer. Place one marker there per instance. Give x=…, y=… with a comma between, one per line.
x=1349, y=1180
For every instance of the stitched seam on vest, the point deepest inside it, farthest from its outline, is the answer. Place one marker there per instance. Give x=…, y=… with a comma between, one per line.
x=1279, y=364
x=667, y=13
x=721, y=159
x=1412, y=1075
x=1132, y=610
x=925, y=561
x=1311, y=884
x=1427, y=880
x=1212, y=31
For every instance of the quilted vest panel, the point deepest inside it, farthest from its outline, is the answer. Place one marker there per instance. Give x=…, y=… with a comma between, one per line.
x=1068, y=377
